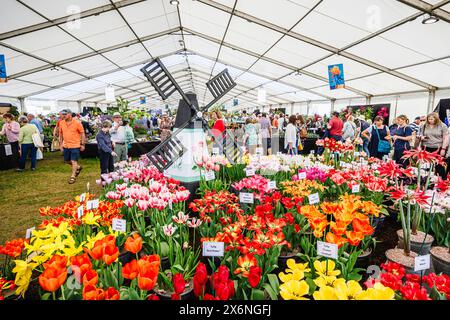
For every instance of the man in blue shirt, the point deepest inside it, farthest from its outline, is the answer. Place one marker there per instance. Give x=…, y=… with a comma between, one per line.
x=36, y=122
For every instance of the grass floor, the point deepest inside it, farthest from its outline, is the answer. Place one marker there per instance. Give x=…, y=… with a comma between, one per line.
x=23, y=193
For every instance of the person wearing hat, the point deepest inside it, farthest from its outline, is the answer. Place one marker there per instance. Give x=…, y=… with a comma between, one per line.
x=118, y=138
x=415, y=125
x=105, y=148
x=72, y=139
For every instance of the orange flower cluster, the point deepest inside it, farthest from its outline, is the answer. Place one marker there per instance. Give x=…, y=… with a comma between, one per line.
x=84, y=273
x=105, y=249
x=145, y=269
x=133, y=243
x=245, y=262
x=5, y=285
x=55, y=273
x=13, y=248
x=301, y=188
x=346, y=221
x=212, y=202
x=68, y=212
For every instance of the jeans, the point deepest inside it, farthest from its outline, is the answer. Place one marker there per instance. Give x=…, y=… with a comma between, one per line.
x=106, y=162
x=28, y=148
x=364, y=147
x=337, y=138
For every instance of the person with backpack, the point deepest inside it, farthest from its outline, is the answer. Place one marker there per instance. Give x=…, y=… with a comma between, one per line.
x=379, y=138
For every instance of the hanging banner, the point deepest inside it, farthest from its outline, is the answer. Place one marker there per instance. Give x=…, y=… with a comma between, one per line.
x=3, y=77
x=235, y=102
x=143, y=100
x=336, y=76
x=261, y=95
x=109, y=94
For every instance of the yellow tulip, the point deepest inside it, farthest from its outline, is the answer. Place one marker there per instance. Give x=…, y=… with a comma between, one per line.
x=326, y=268
x=297, y=266
x=91, y=219
x=23, y=271
x=325, y=293
x=91, y=241
x=291, y=275
x=378, y=292
x=347, y=291
x=324, y=281
x=294, y=290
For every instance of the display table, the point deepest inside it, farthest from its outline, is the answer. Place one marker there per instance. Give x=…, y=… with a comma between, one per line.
x=137, y=149
x=308, y=145
x=8, y=162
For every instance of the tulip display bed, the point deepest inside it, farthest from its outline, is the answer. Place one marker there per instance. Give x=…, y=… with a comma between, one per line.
x=275, y=227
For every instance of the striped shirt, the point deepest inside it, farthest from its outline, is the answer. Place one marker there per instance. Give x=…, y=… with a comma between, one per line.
x=415, y=127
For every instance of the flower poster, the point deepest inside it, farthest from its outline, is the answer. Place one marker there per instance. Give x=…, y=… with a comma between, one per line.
x=3, y=77
x=336, y=76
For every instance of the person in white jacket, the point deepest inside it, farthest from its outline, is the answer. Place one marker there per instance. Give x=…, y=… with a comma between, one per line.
x=290, y=136
x=349, y=129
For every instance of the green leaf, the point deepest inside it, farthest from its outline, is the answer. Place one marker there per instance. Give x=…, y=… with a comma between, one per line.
x=46, y=296
x=257, y=294
x=273, y=281
x=273, y=295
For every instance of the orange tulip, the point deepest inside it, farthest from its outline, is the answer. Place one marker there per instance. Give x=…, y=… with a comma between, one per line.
x=338, y=227
x=110, y=253
x=147, y=280
x=363, y=227
x=80, y=264
x=154, y=259
x=53, y=278
x=96, y=252
x=134, y=243
x=130, y=270
x=245, y=262
x=91, y=292
x=354, y=237
x=319, y=227
x=112, y=294
x=90, y=278
x=329, y=207
x=57, y=262
x=338, y=240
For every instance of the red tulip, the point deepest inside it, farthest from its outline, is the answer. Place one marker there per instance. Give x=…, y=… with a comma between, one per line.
x=254, y=276
x=130, y=270
x=179, y=285
x=80, y=264
x=90, y=278
x=153, y=297
x=53, y=278
x=112, y=294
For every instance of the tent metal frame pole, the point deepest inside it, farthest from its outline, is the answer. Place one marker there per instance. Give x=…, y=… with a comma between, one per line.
x=431, y=98
x=428, y=8
x=84, y=14
x=316, y=43
x=278, y=63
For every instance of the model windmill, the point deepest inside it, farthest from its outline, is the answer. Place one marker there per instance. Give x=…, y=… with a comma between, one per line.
x=190, y=127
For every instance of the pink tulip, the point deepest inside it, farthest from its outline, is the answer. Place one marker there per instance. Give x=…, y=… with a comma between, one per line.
x=169, y=229
x=216, y=167
x=142, y=205
x=129, y=202
x=99, y=182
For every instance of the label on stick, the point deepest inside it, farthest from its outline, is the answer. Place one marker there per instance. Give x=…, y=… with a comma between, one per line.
x=213, y=249
x=422, y=262
x=245, y=197
x=119, y=225
x=29, y=232
x=356, y=188
x=314, y=198
x=92, y=204
x=250, y=172
x=210, y=175
x=326, y=249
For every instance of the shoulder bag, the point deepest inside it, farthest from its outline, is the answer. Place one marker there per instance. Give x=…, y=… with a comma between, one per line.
x=383, y=145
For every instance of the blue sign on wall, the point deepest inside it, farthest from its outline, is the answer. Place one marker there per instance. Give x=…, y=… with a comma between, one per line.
x=143, y=100
x=336, y=76
x=3, y=77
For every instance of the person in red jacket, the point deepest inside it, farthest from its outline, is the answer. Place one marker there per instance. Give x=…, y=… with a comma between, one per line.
x=219, y=124
x=335, y=127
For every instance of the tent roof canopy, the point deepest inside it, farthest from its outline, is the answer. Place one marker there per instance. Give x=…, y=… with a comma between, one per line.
x=71, y=50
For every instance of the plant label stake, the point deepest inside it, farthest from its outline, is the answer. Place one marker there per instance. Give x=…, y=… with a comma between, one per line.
x=82, y=197
x=302, y=175
x=119, y=225
x=126, y=193
x=170, y=204
x=272, y=185
x=356, y=188
x=80, y=211
x=259, y=151
x=210, y=175
x=250, y=172
x=279, y=154
x=422, y=262
x=29, y=232
x=312, y=152
x=213, y=249
x=215, y=151
x=314, y=198
x=327, y=250
x=245, y=197
x=92, y=204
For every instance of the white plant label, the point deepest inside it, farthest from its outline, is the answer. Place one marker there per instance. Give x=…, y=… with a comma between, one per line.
x=302, y=175
x=210, y=175
x=80, y=211
x=343, y=164
x=422, y=262
x=170, y=205
x=250, y=172
x=357, y=154
x=272, y=185
x=356, y=188
x=259, y=151
x=92, y=204
x=29, y=232
x=328, y=250
x=312, y=152
x=314, y=198
x=82, y=197
x=126, y=193
x=166, y=174
x=119, y=225
x=215, y=151
x=213, y=249
x=279, y=153
x=8, y=150
x=245, y=197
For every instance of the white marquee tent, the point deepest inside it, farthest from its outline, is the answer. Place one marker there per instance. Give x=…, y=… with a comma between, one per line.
x=64, y=53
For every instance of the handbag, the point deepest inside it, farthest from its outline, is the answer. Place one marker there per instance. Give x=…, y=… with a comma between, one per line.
x=37, y=140
x=383, y=145
x=55, y=145
x=303, y=132
x=39, y=154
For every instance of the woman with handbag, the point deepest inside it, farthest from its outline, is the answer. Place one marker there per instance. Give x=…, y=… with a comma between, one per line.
x=26, y=144
x=434, y=137
x=402, y=139
x=291, y=136
x=379, y=138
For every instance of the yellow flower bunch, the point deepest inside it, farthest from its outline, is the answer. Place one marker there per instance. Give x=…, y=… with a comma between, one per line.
x=326, y=272
x=294, y=287
x=352, y=290
x=301, y=188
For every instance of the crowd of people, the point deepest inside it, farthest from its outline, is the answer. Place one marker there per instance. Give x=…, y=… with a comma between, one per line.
x=251, y=131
